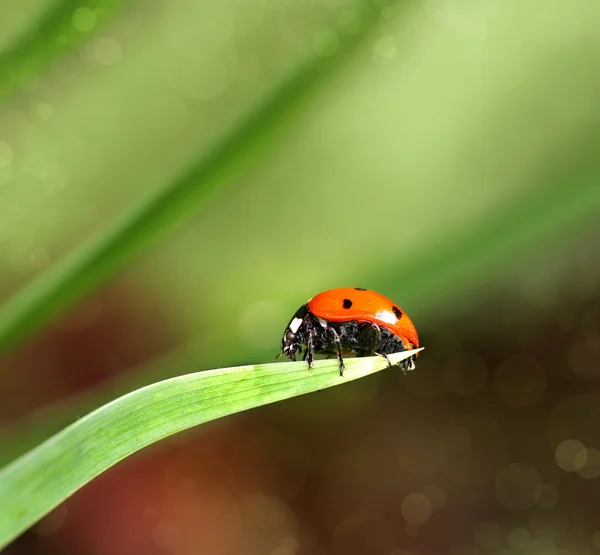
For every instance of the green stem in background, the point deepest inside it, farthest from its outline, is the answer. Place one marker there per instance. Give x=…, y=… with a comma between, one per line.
x=34, y=484
x=79, y=273
x=63, y=26
x=525, y=223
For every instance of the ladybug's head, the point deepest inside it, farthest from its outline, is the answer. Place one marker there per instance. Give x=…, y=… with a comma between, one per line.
x=295, y=334
x=290, y=345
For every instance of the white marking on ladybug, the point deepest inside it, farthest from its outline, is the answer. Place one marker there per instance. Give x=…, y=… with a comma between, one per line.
x=323, y=322
x=387, y=316
x=295, y=324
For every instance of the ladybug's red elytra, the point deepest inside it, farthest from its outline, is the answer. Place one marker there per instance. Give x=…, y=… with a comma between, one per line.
x=349, y=320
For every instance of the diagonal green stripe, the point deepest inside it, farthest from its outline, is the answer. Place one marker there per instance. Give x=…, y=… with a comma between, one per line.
x=536, y=218
x=74, y=276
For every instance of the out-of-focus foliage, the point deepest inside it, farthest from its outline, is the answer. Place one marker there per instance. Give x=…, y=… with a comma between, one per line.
x=96, y=260
x=33, y=33
x=453, y=165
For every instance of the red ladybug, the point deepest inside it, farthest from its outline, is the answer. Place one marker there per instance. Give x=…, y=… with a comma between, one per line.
x=349, y=320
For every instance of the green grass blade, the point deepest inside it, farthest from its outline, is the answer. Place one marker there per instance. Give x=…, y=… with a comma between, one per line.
x=34, y=484
x=60, y=28
x=71, y=278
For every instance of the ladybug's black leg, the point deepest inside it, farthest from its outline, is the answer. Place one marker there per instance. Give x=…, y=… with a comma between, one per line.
x=386, y=358
x=407, y=364
x=338, y=348
x=370, y=338
x=341, y=361
x=309, y=355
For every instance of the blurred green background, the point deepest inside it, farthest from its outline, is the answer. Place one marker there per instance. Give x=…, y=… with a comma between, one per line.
x=450, y=162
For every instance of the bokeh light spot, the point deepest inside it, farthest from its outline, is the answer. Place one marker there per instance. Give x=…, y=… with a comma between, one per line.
x=541, y=546
x=591, y=469
x=571, y=455
x=546, y=495
x=515, y=486
x=84, y=19
x=44, y=111
x=385, y=47
x=108, y=51
x=416, y=508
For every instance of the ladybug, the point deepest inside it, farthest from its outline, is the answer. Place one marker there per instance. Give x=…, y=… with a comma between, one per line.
x=349, y=320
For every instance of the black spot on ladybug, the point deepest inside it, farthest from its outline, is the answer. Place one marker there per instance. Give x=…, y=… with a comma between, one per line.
x=347, y=303
x=397, y=312
x=359, y=289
